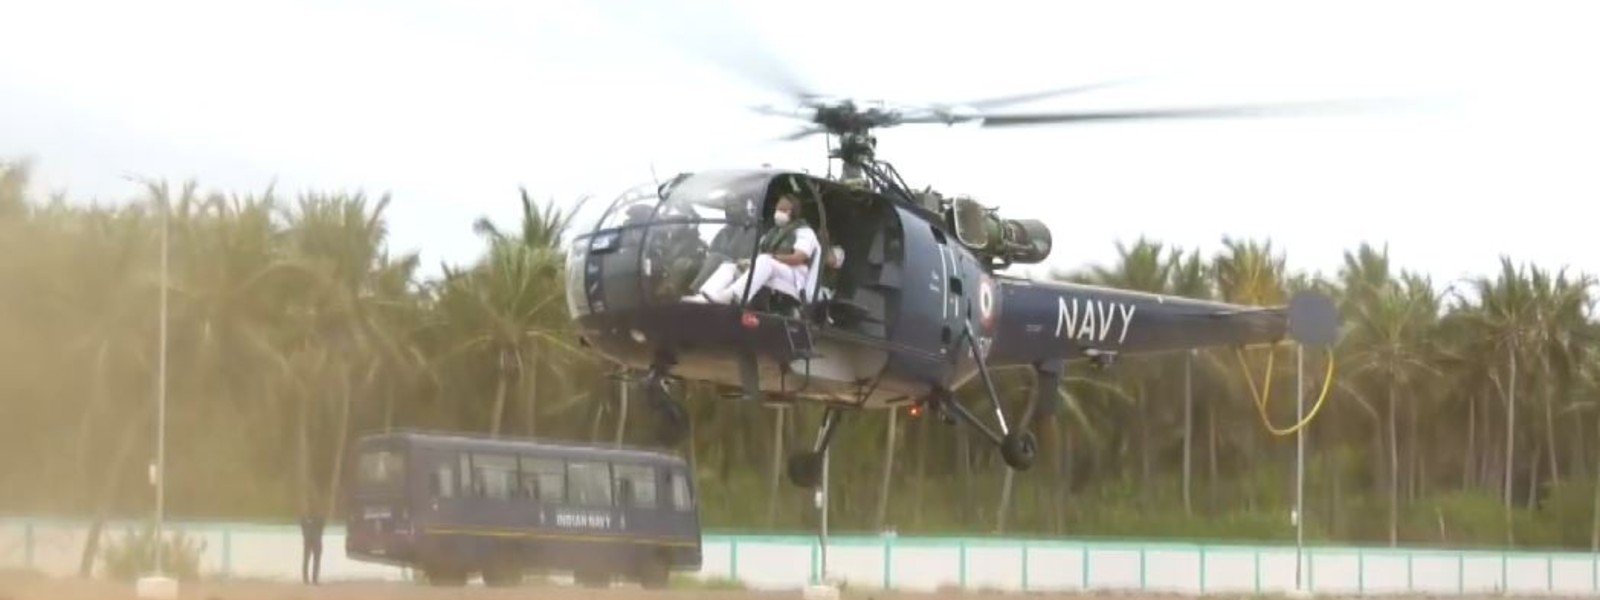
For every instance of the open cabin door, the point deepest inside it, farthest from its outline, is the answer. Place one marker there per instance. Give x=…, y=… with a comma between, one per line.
x=852, y=287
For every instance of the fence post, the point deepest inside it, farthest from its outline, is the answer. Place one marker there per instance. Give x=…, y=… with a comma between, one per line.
x=1084, y=564
x=1461, y=573
x=27, y=544
x=1024, y=565
x=962, y=553
x=1143, y=573
x=733, y=559
x=1411, y=582
x=1549, y=573
x=1256, y=568
x=1361, y=571
x=1202, y=569
x=888, y=562
x=816, y=574
x=227, y=551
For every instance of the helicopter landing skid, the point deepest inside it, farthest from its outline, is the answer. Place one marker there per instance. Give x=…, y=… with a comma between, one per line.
x=805, y=468
x=672, y=421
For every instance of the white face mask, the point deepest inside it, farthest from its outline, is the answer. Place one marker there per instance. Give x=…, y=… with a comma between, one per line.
x=781, y=217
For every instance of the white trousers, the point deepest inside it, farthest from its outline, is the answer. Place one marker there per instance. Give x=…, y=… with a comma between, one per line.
x=725, y=284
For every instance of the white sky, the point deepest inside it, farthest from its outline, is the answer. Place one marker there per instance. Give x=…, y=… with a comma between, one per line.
x=452, y=105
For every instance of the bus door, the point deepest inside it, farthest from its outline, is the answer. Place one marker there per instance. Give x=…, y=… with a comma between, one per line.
x=438, y=494
x=377, y=506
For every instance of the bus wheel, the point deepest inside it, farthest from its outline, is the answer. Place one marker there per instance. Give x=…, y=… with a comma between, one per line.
x=502, y=576
x=592, y=579
x=445, y=577
x=653, y=573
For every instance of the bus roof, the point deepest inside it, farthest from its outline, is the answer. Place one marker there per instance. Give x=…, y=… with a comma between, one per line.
x=460, y=440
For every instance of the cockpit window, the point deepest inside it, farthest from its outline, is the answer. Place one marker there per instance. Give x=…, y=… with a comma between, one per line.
x=674, y=238
x=634, y=207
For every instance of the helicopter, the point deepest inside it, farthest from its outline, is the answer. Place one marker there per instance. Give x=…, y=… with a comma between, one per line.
x=903, y=301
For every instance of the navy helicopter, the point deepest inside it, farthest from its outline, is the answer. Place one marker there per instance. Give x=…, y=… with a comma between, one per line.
x=896, y=299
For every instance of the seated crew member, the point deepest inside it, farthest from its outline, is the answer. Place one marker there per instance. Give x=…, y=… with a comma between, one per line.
x=734, y=241
x=784, y=262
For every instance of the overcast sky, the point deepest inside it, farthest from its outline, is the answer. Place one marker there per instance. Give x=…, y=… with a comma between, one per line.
x=450, y=106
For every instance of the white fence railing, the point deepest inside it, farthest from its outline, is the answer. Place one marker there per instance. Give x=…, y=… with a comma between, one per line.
x=924, y=563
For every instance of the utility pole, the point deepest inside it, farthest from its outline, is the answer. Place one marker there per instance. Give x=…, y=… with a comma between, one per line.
x=159, y=584
x=1300, y=466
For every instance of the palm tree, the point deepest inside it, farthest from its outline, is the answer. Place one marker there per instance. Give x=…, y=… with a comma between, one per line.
x=1393, y=329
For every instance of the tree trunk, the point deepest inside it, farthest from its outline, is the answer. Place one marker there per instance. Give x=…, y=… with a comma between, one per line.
x=923, y=425
x=530, y=393
x=97, y=400
x=1188, y=429
x=339, y=442
x=1470, y=458
x=1511, y=439
x=1004, y=506
x=1413, y=466
x=1594, y=526
x=388, y=404
x=1394, y=471
x=1214, y=478
x=1144, y=445
x=1551, y=439
x=115, y=474
x=775, y=474
x=1578, y=460
x=1051, y=439
x=624, y=385
x=305, y=451
x=964, y=464
x=499, y=397
x=1534, y=473
x=888, y=470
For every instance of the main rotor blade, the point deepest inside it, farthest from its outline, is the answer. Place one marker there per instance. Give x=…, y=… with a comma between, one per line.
x=1262, y=110
x=717, y=37
x=999, y=101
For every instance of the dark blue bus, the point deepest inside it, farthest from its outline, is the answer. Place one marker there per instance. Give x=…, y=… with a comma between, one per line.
x=455, y=505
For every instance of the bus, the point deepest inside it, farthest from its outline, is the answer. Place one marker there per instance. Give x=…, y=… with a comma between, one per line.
x=454, y=505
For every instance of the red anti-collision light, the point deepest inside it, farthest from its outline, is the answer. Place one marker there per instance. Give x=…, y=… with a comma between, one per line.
x=750, y=321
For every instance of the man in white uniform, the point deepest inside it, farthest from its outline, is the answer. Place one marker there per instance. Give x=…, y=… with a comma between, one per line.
x=784, y=262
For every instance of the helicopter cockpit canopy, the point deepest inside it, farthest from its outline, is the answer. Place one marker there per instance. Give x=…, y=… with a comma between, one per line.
x=658, y=242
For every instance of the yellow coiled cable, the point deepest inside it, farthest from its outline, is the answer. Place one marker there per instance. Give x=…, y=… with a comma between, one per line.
x=1265, y=393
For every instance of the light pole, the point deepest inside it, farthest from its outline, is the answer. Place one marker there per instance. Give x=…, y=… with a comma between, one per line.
x=161, y=391
x=1300, y=465
x=159, y=584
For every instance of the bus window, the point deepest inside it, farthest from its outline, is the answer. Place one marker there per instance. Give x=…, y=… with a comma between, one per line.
x=681, y=500
x=494, y=475
x=589, y=483
x=380, y=469
x=444, y=481
x=543, y=479
x=636, y=485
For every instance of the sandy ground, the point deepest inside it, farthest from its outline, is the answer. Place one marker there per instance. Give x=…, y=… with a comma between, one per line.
x=28, y=586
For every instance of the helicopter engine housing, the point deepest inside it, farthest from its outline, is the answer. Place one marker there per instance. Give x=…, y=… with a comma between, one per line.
x=1009, y=241
x=1024, y=241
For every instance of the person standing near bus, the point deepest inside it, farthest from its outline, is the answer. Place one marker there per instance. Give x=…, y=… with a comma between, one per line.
x=311, y=545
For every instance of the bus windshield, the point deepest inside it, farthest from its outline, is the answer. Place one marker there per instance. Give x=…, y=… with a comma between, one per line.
x=380, y=468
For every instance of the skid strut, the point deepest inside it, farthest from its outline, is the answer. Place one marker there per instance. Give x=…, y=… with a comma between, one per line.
x=1017, y=444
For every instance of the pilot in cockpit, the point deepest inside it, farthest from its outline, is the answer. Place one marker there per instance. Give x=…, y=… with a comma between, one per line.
x=783, y=264
x=735, y=241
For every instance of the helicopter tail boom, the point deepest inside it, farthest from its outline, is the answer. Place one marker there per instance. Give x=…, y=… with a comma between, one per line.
x=1055, y=321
